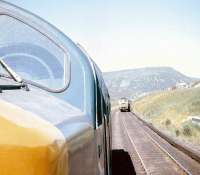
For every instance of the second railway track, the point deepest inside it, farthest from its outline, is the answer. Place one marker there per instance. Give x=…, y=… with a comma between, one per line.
x=156, y=156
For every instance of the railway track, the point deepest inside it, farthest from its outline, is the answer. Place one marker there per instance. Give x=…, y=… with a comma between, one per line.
x=150, y=153
x=121, y=141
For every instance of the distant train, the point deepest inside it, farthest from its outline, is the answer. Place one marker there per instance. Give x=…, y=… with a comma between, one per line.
x=124, y=104
x=54, y=104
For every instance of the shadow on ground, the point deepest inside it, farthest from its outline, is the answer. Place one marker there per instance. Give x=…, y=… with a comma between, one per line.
x=121, y=163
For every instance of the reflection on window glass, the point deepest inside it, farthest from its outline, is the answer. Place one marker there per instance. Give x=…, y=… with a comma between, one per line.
x=31, y=54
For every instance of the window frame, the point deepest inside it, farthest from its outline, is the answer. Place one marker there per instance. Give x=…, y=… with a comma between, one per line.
x=48, y=31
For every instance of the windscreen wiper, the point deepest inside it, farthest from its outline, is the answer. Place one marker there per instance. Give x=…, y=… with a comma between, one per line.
x=15, y=77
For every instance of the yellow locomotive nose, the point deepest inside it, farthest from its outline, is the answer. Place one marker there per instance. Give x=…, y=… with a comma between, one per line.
x=29, y=145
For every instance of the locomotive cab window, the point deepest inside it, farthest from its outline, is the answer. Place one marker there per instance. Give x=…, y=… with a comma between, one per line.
x=32, y=54
x=99, y=104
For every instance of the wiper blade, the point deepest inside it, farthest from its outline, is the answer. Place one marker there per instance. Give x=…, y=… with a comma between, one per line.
x=14, y=75
x=11, y=87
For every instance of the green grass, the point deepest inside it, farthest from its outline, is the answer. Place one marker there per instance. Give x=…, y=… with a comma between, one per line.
x=169, y=111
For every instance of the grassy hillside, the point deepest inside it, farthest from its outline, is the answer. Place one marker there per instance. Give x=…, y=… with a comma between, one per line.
x=169, y=111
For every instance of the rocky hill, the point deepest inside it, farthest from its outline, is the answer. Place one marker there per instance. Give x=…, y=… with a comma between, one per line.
x=135, y=82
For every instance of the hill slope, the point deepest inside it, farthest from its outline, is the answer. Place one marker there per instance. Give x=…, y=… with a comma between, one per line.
x=169, y=110
x=130, y=83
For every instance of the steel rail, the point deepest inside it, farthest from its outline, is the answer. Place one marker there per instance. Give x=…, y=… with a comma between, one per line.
x=135, y=148
x=165, y=151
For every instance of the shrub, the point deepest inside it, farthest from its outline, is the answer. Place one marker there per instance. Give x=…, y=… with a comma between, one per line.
x=187, y=131
x=167, y=122
x=177, y=132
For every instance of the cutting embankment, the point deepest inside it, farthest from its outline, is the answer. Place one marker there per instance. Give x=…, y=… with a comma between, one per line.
x=170, y=112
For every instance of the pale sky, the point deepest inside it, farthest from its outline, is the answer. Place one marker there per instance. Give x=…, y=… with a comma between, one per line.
x=125, y=34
